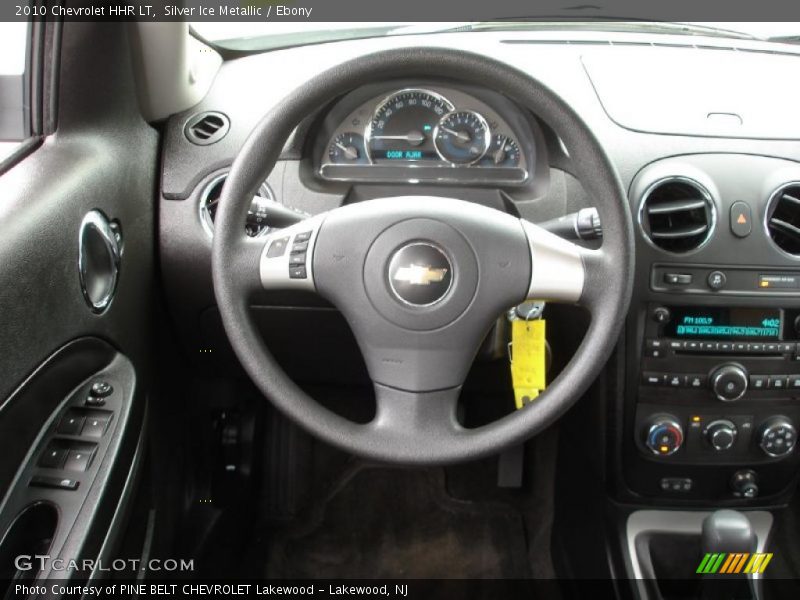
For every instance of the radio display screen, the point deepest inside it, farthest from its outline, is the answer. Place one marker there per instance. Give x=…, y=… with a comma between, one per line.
x=725, y=323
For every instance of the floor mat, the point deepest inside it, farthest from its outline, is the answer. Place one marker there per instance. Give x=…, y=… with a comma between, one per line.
x=381, y=522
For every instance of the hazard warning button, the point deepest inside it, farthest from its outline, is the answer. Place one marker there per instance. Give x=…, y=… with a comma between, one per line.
x=741, y=225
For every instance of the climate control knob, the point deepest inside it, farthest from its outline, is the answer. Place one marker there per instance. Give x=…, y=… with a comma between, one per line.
x=721, y=434
x=664, y=435
x=777, y=436
x=729, y=382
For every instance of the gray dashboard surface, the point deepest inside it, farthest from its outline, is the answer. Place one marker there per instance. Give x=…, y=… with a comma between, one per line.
x=246, y=88
x=698, y=91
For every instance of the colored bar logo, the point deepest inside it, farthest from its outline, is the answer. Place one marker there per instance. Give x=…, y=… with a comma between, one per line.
x=732, y=563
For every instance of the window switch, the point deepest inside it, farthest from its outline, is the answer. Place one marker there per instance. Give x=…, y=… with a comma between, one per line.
x=71, y=424
x=53, y=458
x=78, y=460
x=95, y=427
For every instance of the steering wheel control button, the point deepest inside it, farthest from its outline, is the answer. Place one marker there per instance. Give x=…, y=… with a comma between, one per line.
x=777, y=437
x=277, y=247
x=716, y=280
x=71, y=424
x=420, y=274
x=729, y=382
x=299, y=247
x=101, y=389
x=664, y=437
x=303, y=236
x=721, y=434
x=297, y=259
x=741, y=221
x=298, y=272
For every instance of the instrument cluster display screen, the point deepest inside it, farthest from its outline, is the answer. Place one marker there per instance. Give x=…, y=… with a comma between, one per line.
x=725, y=323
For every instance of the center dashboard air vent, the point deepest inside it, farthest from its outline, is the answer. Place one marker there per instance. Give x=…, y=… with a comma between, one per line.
x=677, y=215
x=783, y=218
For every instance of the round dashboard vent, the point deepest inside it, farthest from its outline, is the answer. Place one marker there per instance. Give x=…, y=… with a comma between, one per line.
x=209, y=202
x=783, y=218
x=206, y=128
x=677, y=215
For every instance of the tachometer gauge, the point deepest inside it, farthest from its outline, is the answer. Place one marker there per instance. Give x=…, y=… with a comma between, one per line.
x=402, y=126
x=503, y=152
x=462, y=137
x=348, y=148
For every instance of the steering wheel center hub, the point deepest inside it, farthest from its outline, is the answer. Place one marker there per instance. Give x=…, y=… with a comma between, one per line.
x=420, y=274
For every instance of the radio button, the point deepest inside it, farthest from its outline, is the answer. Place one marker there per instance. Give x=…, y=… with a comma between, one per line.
x=725, y=347
x=787, y=347
x=773, y=347
x=693, y=346
x=677, y=345
x=777, y=382
x=755, y=347
x=709, y=346
x=673, y=380
x=649, y=378
x=654, y=353
x=696, y=381
x=759, y=382
x=654, y=343
x=794, y=382
x=740, y=347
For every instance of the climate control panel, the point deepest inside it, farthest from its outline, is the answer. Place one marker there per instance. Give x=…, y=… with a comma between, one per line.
x=686, y=436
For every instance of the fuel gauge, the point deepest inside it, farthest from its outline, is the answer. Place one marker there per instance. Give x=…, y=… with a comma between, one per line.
x=503, y=152
x=348, y=148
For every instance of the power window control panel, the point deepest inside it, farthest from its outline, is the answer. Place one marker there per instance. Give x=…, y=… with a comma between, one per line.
x=67, y=455
x=87, y=423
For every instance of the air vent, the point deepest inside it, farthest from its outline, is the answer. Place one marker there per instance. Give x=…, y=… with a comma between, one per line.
x=207, y=128
x=209, y=202
x=783, y=218
x=677, y=215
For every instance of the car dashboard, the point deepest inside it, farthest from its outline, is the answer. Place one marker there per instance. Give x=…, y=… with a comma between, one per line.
x=707, y=151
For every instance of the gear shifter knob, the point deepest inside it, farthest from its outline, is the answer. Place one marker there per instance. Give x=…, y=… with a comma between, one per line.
x=728, y=531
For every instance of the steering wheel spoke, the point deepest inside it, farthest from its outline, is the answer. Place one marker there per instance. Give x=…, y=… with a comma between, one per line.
x=285, y=259
x=415, y=419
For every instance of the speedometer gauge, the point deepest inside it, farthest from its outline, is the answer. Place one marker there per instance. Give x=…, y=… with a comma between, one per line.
x=462, y=137
x=402, y=126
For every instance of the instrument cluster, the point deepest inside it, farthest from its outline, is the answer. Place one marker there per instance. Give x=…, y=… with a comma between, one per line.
x=426, y=134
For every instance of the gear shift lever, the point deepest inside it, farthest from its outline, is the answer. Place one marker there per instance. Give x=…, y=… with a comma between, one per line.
x=727, y=531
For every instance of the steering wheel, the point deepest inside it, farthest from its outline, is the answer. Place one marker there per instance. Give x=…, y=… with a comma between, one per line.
x=420, y=280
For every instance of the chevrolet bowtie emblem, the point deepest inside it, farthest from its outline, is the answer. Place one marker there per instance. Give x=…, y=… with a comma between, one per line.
x=419, y=275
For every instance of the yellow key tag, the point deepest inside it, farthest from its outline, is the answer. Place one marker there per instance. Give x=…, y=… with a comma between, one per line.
x=527, y=360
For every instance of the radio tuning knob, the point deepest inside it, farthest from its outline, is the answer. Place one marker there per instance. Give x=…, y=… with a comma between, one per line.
x=729, y=382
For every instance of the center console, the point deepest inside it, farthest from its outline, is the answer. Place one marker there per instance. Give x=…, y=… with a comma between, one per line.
x=710, y=411
x=718, y=386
